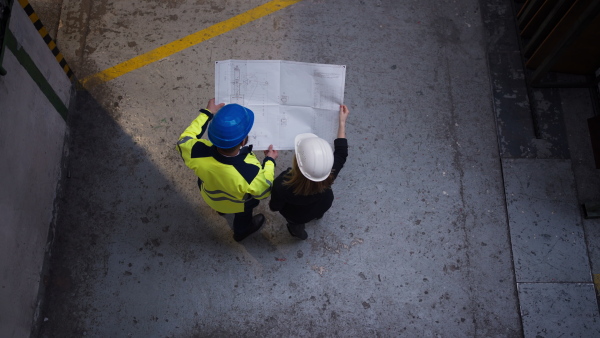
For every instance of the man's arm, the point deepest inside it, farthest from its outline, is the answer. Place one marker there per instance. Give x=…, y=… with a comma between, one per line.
x=197, y=128
x=263, y=183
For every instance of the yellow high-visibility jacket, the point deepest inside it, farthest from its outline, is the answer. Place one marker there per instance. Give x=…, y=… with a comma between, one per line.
x=226, y=183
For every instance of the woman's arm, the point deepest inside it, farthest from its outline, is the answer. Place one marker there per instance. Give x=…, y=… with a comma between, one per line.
x=344, y=112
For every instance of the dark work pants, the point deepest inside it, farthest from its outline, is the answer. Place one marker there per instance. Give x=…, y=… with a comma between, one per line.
x=242, y=221
x=295, y=225
x=296, y=228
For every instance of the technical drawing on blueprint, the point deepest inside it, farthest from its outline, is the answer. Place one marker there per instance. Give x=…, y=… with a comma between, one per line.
x=287, y=98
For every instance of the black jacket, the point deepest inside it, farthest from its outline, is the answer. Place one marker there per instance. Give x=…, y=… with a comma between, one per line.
x=301, y=209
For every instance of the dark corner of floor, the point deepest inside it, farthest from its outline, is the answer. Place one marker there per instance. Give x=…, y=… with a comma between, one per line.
x=548, y=142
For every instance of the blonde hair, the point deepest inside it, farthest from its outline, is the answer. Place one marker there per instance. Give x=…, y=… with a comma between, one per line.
x=303, y=186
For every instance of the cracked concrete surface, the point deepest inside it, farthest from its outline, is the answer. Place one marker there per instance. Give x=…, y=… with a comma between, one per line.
x=416, y=243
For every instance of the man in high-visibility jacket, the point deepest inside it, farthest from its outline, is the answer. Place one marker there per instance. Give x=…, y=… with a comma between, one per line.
x=230, y=177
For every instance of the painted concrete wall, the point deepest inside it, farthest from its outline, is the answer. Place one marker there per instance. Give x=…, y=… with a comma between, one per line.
x=32, y=137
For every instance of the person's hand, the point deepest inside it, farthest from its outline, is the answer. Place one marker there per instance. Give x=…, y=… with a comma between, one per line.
x=212, y=107
x=272, y=153
x=344, y=112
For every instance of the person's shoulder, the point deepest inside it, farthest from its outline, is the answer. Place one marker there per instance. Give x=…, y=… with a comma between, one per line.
x=249, y=157
x=285, y=172
x=282, y=174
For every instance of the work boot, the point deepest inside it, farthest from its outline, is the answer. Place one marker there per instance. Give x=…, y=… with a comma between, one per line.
x=257, y=221
x=297, y=231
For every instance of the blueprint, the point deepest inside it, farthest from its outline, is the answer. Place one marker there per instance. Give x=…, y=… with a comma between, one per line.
x=287, y=98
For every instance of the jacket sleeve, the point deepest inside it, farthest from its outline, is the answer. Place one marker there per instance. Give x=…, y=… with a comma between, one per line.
x=263, y=183
x=194, y=131
x=339, y=155
x=277, y=202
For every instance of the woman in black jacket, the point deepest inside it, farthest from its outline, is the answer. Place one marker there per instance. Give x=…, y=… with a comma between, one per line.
x=303, y=193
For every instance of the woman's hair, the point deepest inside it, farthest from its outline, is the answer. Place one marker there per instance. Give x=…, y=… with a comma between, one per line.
x=303, y=186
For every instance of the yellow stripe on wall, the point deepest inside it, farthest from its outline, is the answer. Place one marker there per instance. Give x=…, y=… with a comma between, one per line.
x=186, y=42
x=33, y=17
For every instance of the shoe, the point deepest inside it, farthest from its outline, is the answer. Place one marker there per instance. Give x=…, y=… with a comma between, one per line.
x=257, y=222
x=300, y=234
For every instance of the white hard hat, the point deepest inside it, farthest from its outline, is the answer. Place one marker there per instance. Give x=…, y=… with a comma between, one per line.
x=314, y=156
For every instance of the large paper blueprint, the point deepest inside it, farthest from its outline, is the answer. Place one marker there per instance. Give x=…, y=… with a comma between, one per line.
x=287, y=98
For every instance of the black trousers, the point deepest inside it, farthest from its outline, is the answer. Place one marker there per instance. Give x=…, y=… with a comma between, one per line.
x=242, y=221
x=296, y=228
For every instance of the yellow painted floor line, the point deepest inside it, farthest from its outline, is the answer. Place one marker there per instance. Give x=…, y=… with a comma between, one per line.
x=186, y=42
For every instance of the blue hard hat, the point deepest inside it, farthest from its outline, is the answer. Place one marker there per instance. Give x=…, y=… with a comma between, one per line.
x=230, y=126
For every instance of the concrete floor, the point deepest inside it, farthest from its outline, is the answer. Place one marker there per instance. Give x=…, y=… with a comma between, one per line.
x=417, y=243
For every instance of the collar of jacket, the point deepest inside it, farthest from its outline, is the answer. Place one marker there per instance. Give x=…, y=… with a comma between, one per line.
x=244, y=151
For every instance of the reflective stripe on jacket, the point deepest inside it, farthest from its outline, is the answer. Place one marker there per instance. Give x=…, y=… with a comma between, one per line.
x=226, y=183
